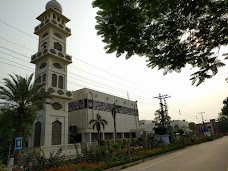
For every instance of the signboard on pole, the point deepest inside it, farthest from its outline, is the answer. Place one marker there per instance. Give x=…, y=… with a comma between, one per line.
x=18, y=143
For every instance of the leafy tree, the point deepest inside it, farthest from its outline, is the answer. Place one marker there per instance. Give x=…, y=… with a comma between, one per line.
x=7, y=132
x=225, y=107
x=170, y=34
x=8, y=127
x=180, y=131
x=97, y=123
x=222, y=122
x=222, y=117
x=161, y=118
x=192, y=126
x=24, y=98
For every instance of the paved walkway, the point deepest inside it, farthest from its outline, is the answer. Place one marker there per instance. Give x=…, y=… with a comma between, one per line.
x=209, y=156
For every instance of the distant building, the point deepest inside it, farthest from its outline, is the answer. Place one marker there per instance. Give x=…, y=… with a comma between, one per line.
x=207, y=127
x=180, y=124
x=148, y=126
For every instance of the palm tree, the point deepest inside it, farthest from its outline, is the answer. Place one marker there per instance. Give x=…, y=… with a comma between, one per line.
x=97, y=123
x=22, y=95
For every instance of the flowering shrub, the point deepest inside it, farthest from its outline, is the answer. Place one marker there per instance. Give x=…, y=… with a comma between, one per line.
x=81, y=166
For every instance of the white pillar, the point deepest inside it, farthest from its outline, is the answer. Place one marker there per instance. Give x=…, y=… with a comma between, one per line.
x=90, y=137
x=103, y=136
x=122, y=135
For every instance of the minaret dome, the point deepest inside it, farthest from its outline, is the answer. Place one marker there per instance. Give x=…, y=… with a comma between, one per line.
x=54, y=4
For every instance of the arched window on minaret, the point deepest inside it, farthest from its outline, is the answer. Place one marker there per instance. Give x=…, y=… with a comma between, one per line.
x=44, y=78
x=37, y=134
x=54, y=80
x=56, y=133
x=39, y=79
x=60, y=82
x=58, y=46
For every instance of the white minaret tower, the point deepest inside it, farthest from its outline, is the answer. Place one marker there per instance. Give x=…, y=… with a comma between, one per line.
x=51, y=60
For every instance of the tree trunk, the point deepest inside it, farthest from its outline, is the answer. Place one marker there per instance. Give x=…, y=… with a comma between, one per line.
x=18, y=133
x=115, y=129
x=99, y=138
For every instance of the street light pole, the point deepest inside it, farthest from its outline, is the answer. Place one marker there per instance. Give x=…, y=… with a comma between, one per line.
x=201, y=113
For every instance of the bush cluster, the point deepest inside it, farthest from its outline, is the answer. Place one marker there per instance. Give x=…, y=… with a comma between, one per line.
x=109, y=154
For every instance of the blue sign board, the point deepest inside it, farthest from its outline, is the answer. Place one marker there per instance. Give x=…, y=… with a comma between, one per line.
x=18, y=143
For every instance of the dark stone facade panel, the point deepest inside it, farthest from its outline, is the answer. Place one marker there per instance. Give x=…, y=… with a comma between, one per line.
x=96, y=105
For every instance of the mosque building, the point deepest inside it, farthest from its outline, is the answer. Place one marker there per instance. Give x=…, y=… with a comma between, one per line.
x=67, y=116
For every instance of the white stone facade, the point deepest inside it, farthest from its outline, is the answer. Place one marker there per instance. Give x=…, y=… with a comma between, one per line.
x=87, y=103
x=51, y=60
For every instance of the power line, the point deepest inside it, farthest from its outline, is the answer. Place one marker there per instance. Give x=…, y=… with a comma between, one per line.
x=18, y=29
x=134, y=95
x=73, y=57
x=14, y=52
x=17, y=44
x=105, y=87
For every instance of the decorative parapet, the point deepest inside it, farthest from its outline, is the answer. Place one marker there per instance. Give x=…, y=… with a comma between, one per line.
x=97, y=105
x=54, y=52
x=58, y=92
x=47, y=23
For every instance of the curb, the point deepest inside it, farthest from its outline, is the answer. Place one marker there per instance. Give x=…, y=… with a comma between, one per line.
x=150, y=158
x=142, y=160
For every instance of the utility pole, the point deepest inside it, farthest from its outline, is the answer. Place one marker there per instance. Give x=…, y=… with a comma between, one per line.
x=166, y=107
x=163, y=108
x=204, y=128
x=201, y=113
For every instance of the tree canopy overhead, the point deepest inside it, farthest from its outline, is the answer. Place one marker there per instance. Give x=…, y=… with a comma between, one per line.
x=169, y=33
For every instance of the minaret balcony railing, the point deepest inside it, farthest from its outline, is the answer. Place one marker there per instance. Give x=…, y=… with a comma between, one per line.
x=51, y=52
x=54, y=91
x=52, y=23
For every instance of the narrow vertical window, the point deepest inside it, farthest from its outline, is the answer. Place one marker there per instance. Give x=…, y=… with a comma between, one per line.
x=56, y=133
x=54, y=80
x=60, y=82
x=44, y=78
x=39, y=79
x=37, y=134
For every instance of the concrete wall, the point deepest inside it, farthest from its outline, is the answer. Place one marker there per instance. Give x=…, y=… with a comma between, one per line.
x=124, y=122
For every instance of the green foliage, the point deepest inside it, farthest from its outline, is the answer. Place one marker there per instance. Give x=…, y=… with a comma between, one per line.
x=120, y=142
x=2, y=166
x=98, y=123
x=223, y=126
x=7, y=132
x=37, y=161
x=180, y=131
x=170, y=34
x=8, y=122
x=125, y=142
x=225, y=107
x=23, y=96
x=192, y=126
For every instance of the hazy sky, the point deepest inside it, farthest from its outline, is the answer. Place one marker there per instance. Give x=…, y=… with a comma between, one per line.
x=93, y=68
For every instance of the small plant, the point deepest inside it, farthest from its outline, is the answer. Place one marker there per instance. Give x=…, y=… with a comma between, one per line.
x=2, y=166
x=37, y=161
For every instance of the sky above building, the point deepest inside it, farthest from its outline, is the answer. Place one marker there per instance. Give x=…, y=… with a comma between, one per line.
x=93, y=68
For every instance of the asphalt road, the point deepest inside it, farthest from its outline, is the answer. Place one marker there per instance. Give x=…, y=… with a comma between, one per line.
x=209, y=156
